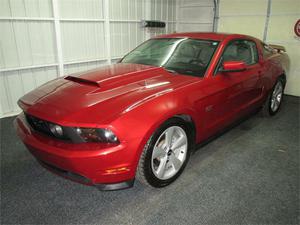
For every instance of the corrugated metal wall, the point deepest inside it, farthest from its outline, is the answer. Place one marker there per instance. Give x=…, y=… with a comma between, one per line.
x=43, y=39
x=195, y=15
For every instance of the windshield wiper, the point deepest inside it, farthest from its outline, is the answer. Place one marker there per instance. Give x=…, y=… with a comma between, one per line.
x=171, y=71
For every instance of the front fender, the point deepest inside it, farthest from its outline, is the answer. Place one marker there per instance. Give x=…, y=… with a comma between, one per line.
x=141, y=122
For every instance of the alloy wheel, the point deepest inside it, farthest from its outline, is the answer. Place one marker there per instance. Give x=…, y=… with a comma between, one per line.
x=169, y=152
x=276, y=96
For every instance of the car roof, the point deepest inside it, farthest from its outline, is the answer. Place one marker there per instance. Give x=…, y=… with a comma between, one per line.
x=204, y=35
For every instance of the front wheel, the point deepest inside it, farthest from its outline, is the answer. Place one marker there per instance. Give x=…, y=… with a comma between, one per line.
x=165, y=154
x=273, y=102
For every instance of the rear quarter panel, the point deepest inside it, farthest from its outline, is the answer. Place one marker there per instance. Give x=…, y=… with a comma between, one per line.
x=274, y=66
x=278, y=64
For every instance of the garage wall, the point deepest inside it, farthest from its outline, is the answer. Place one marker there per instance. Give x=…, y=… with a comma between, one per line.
x=44, y=39
x=195, y=15
x=283, y=16
x=277, y=16
x=163, y=10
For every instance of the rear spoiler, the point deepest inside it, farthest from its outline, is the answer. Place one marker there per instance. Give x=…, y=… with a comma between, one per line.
x=278, y=48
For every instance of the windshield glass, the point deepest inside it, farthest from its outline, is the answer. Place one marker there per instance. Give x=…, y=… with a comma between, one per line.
x=181, y=55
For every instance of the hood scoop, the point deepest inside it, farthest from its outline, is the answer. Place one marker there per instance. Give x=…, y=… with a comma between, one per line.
x=83, y=81
x=116, y=75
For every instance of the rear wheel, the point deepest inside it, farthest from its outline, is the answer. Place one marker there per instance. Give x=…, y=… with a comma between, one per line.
x=273, y=102
x=165, y=154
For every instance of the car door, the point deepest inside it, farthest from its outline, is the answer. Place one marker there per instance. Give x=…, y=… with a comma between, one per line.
x=233, y=93
x=252, y=86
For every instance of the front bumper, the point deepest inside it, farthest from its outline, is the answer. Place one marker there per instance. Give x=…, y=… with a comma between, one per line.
x=107, y=168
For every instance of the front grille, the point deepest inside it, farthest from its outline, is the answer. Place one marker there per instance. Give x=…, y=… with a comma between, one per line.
x=42, y=126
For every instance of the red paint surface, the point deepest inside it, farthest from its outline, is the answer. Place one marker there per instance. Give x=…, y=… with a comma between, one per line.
x=234, y=66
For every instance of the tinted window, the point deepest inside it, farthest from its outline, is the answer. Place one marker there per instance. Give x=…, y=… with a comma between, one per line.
x=183, y=55
x=241, y=50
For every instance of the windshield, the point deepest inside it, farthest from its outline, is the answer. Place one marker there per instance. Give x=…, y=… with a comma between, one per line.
x=180, y=55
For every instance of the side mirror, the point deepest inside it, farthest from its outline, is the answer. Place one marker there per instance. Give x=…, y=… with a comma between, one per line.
x=233, y=66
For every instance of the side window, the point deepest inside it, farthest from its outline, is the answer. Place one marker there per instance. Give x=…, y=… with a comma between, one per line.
x=241, y=50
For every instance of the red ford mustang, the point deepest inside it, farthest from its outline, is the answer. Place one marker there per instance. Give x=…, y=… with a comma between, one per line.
x=143, y=116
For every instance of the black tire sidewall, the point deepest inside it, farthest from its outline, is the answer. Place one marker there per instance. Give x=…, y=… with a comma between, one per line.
x=149, y=175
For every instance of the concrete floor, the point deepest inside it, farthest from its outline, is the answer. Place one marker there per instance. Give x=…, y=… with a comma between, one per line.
x=249, y=175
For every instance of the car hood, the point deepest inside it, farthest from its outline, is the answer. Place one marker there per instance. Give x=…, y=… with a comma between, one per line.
x=98, y=96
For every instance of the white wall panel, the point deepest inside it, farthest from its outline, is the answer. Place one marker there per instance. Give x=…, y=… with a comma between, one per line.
x=199, y=13
x=119, y=9
x=245, y=7
x=82, y=40
x=25, y=8
x=88, y=9
x=245, y=17
x=127, y=9
x=14, y=84
x=171, y=28
x=194, y=27
x=195, y=15
x=171, y=10
x=79, y=67
x=25, y=43
x=125, y=37
x=163, y=10
x=4, y=96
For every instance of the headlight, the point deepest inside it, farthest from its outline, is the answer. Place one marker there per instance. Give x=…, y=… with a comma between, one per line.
x=73, y=134
x=97, y=135
x=56, y=130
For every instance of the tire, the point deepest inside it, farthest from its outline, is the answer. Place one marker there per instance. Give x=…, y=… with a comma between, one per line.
x=165, y=155
x=274, y=99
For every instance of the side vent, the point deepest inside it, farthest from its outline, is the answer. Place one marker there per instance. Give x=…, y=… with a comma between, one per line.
x=82, y=81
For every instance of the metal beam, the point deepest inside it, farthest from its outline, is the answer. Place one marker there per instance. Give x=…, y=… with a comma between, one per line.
x=84, y=61
x=27, y=67
x=147, y=17
x=167, y=17
x=80, y=20
x=58, y=38
x=194, y=22
x=125, y=21
x=107, y=30
x=27, y=18
x=216, y=15
x=177, y=5
x=243, y=15
x=267, y=20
